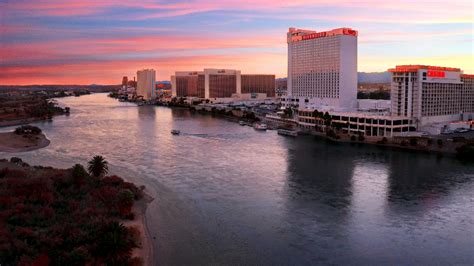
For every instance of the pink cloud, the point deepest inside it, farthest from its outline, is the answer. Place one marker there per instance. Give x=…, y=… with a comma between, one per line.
x=110, y=72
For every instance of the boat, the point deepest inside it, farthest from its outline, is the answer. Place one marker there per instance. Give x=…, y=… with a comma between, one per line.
x=260, y=126
x=287, y=132
x=175, y=132
x=242, y=123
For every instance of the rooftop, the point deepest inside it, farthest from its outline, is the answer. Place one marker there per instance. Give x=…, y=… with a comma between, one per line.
x=414, y=68
x=295, y=35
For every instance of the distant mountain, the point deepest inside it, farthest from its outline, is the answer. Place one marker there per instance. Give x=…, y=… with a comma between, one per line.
x=373, y=77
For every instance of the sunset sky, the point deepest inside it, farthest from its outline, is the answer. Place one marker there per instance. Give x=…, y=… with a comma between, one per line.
x=99, y=41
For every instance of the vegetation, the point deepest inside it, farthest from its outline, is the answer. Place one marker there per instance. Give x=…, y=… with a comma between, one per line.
x=65, y=217
x=330, y=133
x=288, y=113
x=324, y=116
x=375, y=95
x=98, y=166
x=27, y=130
x=47, y=108
x=439, y=142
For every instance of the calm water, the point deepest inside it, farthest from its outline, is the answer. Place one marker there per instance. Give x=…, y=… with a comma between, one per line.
x=227, y=194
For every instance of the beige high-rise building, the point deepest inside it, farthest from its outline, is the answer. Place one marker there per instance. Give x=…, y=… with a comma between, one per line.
x=221, y=83
x=146, y=80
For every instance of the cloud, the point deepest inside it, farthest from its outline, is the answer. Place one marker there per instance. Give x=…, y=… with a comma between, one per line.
x=96, y=41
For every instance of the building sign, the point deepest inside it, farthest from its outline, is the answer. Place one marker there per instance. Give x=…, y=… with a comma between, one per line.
x=436, y=74
x=314, y=35
x=297, y=36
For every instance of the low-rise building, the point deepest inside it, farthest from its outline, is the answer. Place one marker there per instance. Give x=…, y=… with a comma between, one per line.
x=356, y=122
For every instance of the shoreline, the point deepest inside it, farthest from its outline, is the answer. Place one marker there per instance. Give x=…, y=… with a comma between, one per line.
x=12, y=143
x=145, y=251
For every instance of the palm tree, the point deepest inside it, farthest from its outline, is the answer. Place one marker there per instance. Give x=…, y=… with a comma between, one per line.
x=98, y=166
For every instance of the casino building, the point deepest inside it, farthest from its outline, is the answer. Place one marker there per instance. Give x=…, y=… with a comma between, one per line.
x=322, y=68
x=215, y=84
x=431, y=94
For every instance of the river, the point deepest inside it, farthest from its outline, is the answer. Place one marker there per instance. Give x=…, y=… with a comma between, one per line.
x=227, y=194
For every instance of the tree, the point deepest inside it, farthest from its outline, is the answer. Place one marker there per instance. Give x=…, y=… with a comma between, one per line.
x=115, y=243
x=439, y=142
x=79, y=174
x=98, y=166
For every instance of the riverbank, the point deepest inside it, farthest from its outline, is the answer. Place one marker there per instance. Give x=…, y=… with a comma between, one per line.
x=145, y=250
x=19, y=109
x=11, y=142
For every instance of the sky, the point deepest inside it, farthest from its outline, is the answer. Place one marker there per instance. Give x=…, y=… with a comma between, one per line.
x=99, y=41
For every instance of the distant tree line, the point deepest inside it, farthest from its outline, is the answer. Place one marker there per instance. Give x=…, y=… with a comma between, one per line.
x=374, y=95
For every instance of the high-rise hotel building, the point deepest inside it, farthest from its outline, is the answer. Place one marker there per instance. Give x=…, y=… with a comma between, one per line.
x=220, y=83
x=430, y=94
x=146, y=80
x=322, y=68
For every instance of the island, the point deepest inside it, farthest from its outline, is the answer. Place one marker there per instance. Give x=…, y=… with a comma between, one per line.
x=24, y=138
x=70, y=216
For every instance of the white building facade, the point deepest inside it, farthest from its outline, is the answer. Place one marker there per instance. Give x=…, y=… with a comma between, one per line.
x=322, y=69
x=146, y=82
x=432, y=95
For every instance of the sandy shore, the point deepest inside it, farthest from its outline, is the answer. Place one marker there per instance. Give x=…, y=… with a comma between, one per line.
x=146, y=248
x=11, y=142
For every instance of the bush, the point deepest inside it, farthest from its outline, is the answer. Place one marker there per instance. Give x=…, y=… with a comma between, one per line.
x=413, y=142
x=330, y=133
x=16, y=160
x=439, y=142
x=79, y=174
x=27, y=129
x=353, y=138
x=361, y=138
